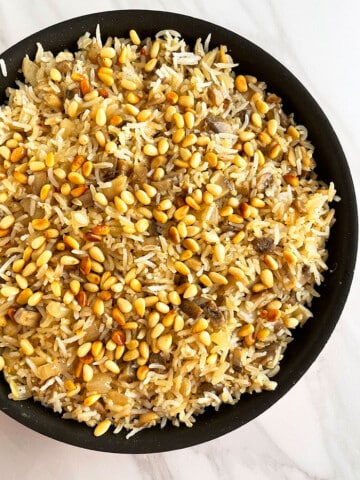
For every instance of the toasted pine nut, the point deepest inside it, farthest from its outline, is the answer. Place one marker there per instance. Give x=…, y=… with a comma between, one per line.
x=293, y=132
x=246, y=330
x=267, y=278
x=200, y=325
x=124, y=305
x=100, y=117
x=150, y=65
x=271, y=262
x=18, y=154
x=289, y=257
x=35, y=299
x=134, y=37
x=91, y=399
x=263, y=334
x=142, y=372
x=26, y=347
x=164, y=342
x=218, y=278
x=8, y=291
x=241, y=84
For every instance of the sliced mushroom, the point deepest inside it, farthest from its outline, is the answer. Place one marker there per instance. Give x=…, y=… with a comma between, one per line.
x=93, y=52
x=306, y=275
x=156, y=229
x=284, y=119
x=215, y=95
x=124, y=167
x=209, y=387
x=218, y=125
x=86, y=199
x=128, y=374
x=246, y=112
x=162, y=185
x=273, y=98
x=179, y=279
x=140, y=174
x=108, y=174
x=213, y=313
x=269, y=354
x=236, y=359
x=71, y=92
x=156, y=358
x=191, y=309
x=27, y=318
x=264, y=181
x=64, y=67
x=263, y=244
x=153, y=231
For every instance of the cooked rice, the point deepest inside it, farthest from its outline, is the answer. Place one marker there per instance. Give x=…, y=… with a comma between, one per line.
x=3, y=68
x=230, y=335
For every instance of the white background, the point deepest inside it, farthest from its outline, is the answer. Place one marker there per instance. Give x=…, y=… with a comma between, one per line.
x=314, y=432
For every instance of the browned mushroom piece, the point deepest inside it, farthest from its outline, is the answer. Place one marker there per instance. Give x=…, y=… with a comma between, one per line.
x=306, y=275
x=156, y=358
x=284, y=119
x=71, y=92
x=235, y=359
x=210, y=387
x=64, y=67
x=273, y=98
x=218, y=124
x=264, y=181
x=152, y=229
x=108, y=174
x=162, y=185
x=269, y=354
x=191, y=309
x=86, y=199
x=246, y=112
x=140, y=174
x=213, y=314
x=263, y=244
x=93, y=52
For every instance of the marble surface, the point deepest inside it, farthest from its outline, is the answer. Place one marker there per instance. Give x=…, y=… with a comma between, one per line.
x=314, y=432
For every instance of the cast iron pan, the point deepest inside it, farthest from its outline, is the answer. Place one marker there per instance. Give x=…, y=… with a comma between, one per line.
x=332, y=166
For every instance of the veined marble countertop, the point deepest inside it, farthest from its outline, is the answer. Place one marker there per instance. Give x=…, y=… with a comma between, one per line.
x=314, y=431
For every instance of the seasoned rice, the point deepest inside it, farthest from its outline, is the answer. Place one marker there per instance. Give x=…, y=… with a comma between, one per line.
x=162, y=231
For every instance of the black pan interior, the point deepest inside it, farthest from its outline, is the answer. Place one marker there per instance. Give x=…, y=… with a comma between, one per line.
x=332, y=166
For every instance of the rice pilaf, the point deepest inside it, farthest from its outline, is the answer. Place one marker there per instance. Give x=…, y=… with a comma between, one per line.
x=162, y=231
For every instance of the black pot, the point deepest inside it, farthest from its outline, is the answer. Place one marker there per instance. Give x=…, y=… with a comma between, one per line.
x=342, y=246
